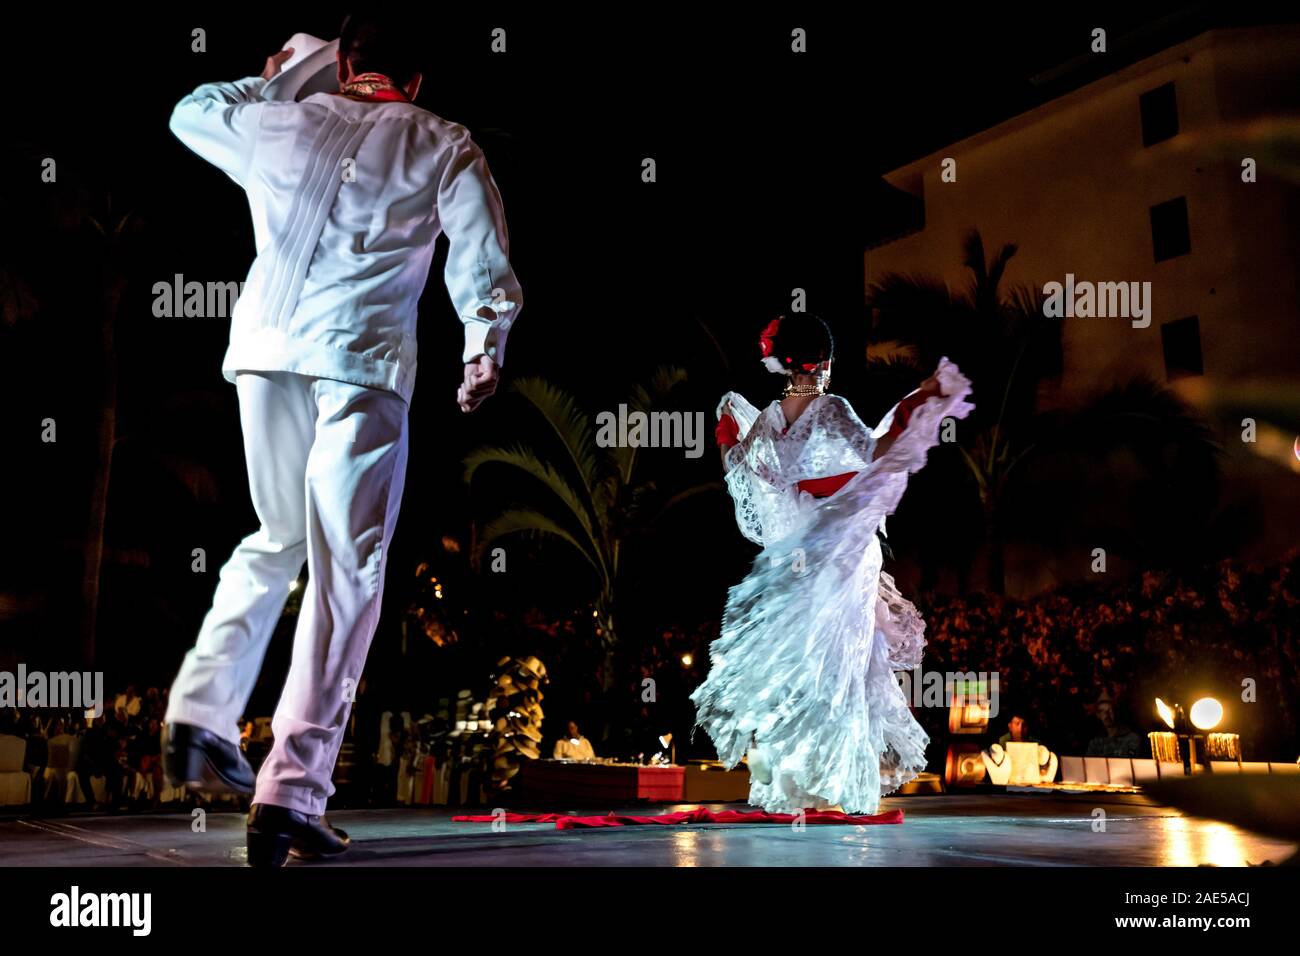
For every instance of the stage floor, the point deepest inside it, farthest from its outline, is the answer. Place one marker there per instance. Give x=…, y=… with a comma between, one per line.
x=948, y=830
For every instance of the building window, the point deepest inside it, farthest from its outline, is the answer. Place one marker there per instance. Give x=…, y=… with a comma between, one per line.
x=1170, y=236
x=1182, y=343
x=1159, y=114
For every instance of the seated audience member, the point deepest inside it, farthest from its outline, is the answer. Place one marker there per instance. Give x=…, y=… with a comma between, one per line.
x=1119, y=740
x=1017, y=732
x=574, y=746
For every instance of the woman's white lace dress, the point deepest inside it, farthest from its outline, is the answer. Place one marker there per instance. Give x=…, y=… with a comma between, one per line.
x=811, y=638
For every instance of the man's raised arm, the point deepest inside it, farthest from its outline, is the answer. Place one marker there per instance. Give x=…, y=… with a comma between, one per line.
x=219, y=120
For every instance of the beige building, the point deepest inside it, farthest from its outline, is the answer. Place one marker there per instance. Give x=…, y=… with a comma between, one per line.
x=1138, y=178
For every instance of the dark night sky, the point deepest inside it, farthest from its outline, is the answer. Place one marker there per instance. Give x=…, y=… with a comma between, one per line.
x=768, y=169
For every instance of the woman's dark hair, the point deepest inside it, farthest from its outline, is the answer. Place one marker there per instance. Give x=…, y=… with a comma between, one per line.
x=800, y=341
x=379, y=43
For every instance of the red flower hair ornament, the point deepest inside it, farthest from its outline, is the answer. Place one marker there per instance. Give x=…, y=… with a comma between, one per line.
x=767, y=344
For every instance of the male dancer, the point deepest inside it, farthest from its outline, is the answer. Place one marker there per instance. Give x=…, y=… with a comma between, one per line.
x=349, y=188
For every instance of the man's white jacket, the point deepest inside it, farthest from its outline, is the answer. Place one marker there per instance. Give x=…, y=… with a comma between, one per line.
x=348, y=198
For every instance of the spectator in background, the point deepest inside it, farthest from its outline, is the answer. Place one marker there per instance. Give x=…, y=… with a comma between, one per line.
x=1118, y=740
x=29, y=727
x=1017, y=732
x=574, y=746
x=97, y=765
x=128, y=702
x=154, y=706
x=62, y=758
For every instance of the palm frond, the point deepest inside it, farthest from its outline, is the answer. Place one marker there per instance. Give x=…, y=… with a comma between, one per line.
x=898, y=293
x=530, y=521
x=646, y=398
x=665, y=378
x=1134, y=413
x=525, y=460
x=972, y=256
x=892, y=352
x=569, y=423
x=977, y=472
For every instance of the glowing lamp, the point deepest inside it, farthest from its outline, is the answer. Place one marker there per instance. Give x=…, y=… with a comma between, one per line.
x=1206, y=713
x=1166, y=713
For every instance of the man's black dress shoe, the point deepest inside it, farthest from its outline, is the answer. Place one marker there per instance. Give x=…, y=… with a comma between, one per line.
x=276, y=832
x=199, y=759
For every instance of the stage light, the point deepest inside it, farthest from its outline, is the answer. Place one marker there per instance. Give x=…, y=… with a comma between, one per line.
x=666, y=741
x=293, y=585
x=1207, y=713
x=687, y=660
x=1166, y=713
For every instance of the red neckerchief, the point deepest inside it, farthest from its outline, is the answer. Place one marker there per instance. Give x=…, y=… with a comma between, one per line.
x=374, y=88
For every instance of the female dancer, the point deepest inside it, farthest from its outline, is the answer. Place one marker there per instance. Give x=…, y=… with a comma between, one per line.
x=801, y=677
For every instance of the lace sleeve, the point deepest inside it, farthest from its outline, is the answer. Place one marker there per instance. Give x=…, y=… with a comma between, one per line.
x=908, y=453
x=752, y=485
x=843, y=423
x=753, y=472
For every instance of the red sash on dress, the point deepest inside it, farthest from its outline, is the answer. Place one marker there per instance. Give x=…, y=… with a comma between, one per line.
x=825, y=487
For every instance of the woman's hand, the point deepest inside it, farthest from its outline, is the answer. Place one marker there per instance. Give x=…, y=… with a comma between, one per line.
x=903, y=413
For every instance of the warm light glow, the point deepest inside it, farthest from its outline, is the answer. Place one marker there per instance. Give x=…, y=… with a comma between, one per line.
x=1206, y=713
x=687, y=660
x=1166, y=713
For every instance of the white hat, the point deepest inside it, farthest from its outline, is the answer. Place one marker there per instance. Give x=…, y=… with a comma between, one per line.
x=313, y=68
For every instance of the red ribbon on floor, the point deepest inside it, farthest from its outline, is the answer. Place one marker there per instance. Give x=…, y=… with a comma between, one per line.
x=564, y=821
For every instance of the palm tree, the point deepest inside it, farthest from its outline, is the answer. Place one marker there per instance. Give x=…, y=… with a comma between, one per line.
x=85, y=216
x=1010, y=349
x=990, y=333
x=1140, y=469
x=593, y=500
x=111, y=233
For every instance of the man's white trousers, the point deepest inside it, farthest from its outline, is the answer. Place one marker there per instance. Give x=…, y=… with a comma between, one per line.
x=326, y=467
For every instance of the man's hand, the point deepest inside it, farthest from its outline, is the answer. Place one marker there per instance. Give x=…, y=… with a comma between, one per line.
x=275, y=61
x=481, y=377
